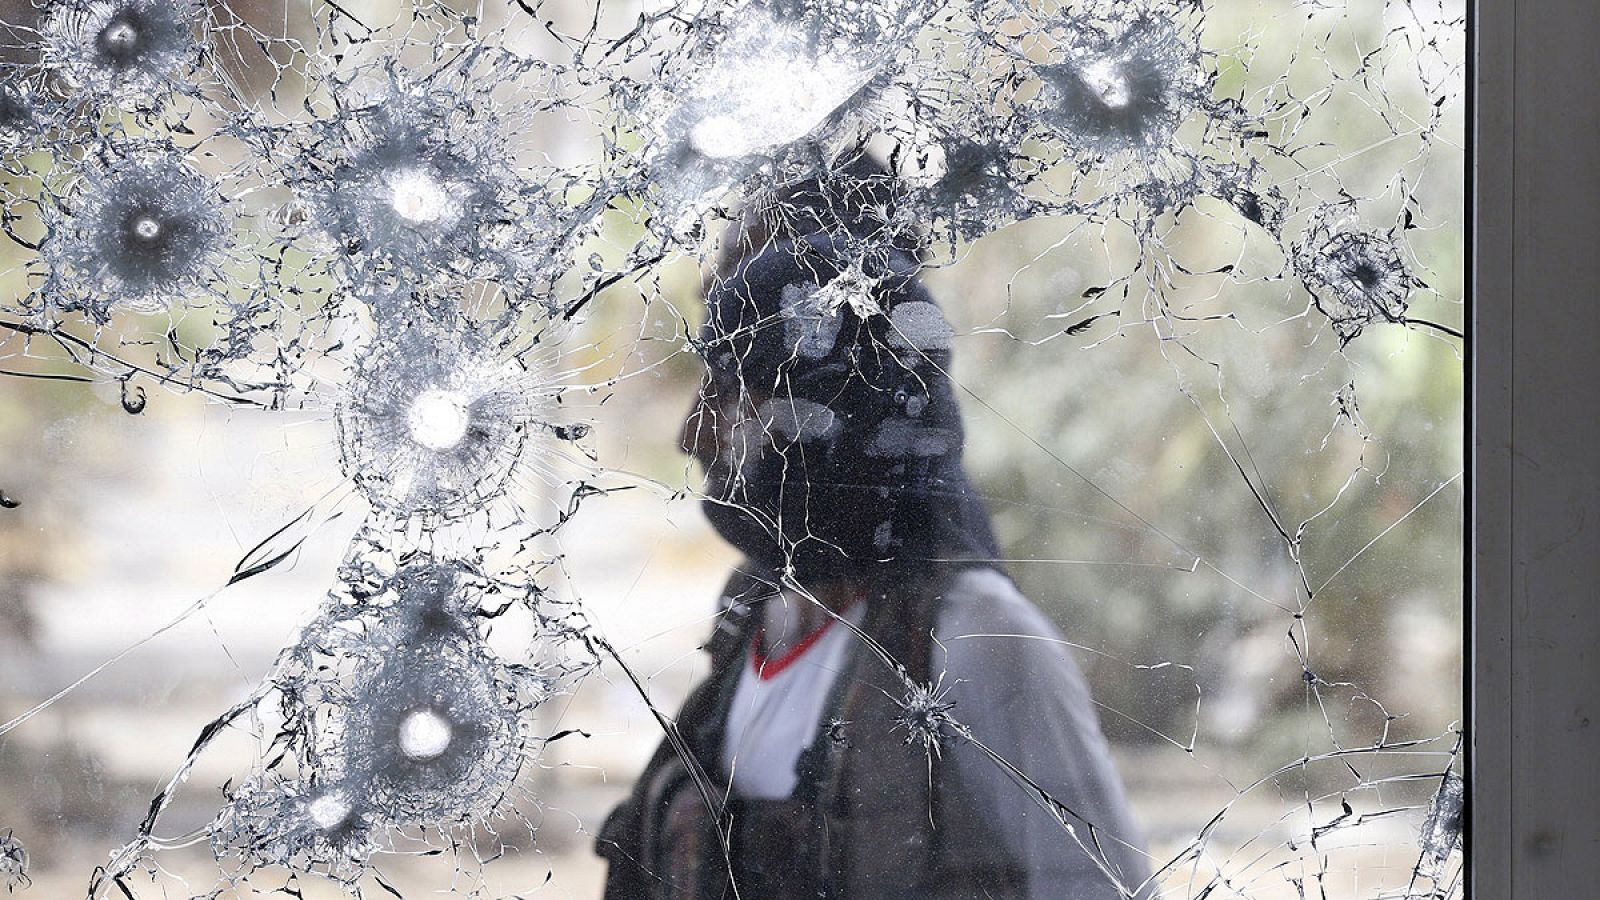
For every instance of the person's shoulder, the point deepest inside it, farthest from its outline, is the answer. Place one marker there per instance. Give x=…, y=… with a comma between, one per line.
x=982, y=600
x=999, y=653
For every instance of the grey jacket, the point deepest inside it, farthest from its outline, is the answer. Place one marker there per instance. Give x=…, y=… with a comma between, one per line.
x=1020, y=801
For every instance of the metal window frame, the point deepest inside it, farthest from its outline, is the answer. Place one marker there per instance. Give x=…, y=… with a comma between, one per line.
x=1533, y=726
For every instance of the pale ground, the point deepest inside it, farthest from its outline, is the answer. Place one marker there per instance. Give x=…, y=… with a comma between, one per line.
x=166, y=523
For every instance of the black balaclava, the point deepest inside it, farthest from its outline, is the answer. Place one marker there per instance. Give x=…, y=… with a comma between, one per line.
x=852, y=466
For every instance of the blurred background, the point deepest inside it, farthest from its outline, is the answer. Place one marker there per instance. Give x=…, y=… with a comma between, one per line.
x=1111, y=459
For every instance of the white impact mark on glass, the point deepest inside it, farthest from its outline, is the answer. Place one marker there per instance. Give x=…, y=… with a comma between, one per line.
x=417, y=196
x=146, y=228
x=769, y=100
x=438, y=419
x=329, y=811
x=424, y=735
x=120, y=36
x=1106, y=79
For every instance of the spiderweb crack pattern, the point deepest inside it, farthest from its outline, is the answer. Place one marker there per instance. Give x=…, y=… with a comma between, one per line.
x=13, y=864
x=455, y=237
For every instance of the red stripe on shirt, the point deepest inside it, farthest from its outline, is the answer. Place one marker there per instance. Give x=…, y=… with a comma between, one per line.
x=768, y=669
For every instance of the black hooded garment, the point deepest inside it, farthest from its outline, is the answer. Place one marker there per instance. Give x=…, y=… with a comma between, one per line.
x=856, y=466
x=851, y=469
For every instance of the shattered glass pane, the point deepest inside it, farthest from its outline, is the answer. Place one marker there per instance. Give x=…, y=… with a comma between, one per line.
x=779, y=448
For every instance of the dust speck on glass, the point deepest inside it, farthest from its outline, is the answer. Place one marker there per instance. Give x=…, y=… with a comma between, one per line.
x=842, y=448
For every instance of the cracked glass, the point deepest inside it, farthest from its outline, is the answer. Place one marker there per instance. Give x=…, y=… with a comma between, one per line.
x=786, y=448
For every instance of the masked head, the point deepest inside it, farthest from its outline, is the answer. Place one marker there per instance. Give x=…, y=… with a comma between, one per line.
x=826, y=424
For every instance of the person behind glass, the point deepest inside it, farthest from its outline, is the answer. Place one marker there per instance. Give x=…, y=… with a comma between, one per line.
x=831, y=443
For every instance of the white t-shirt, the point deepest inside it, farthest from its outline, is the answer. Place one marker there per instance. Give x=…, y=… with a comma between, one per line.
x=777, y=709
